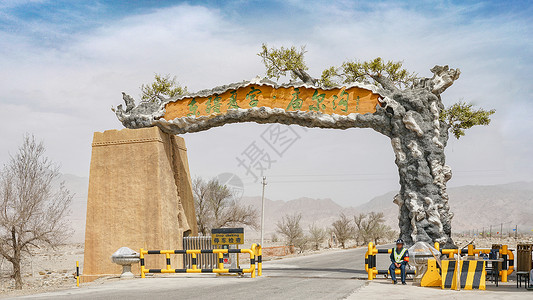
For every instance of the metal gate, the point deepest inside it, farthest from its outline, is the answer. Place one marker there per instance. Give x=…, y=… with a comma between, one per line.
x=204, y=260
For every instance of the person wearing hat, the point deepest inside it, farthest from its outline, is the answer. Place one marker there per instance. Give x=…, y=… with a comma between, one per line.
x=399, y=257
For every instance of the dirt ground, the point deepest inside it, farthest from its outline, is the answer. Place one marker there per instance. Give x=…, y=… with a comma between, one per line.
x=488, y=242
x=46, y=270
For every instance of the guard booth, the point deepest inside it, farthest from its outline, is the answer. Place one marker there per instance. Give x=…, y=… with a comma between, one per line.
x=524, y=257
x=228, y=238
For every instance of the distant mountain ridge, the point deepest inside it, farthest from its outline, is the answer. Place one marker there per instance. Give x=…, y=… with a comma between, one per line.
x=474, y=207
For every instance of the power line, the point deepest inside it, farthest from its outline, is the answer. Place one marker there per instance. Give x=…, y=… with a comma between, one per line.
x=386, y=177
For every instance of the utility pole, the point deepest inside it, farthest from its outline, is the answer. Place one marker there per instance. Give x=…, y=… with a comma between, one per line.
x=263, y=210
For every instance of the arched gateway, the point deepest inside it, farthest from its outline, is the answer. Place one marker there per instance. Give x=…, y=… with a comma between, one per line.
x=140, y=187
x=409, y=117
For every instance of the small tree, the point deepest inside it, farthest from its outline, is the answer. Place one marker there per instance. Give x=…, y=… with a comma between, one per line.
x=461, y=116
x=217, y=207
x=290, y=228
x=343, y=229
x=317, y=236
x=360, y=226
x=32, y=213
x=201, y=204
x=273, y=238
x=163, y=86
x=280, y=61
x=383, y=232
x=372, y=227
x=411, y=113
x=302, y=243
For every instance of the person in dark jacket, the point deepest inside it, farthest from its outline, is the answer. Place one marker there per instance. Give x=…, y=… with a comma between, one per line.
x=399, y=258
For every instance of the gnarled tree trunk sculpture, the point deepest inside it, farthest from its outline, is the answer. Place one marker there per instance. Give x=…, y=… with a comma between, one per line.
x=409, y=117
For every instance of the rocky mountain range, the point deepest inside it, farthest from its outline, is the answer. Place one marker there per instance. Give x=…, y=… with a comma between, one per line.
x=476, y=207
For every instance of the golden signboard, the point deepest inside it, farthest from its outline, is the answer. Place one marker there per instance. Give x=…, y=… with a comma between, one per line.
x=227, y=236
x=341, y=101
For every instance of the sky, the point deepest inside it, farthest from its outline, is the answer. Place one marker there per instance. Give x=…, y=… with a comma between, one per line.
x=64, y=64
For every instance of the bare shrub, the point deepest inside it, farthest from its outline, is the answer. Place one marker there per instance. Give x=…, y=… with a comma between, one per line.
x=372, y=227
x=289, y=227
x=216, y=206
x=343, y=229
x=317, y=236
x=32, y=213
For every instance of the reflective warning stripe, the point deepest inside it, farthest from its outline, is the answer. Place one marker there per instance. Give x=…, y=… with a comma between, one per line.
x=471, y=274
x=398, y=256
x=478, y=282
x=448, y=273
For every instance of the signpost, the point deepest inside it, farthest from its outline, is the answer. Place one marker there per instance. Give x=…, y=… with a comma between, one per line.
x=227, y=236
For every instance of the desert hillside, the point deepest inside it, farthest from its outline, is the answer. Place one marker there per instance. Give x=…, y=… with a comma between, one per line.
x=474, y=207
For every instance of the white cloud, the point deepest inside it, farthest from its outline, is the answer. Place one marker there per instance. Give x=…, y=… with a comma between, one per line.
x=64, y=92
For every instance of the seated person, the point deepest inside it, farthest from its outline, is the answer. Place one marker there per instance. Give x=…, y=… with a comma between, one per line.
x=399, y=258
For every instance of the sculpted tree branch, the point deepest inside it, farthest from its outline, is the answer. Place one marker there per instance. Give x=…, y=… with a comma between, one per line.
x=443, y=78
x=280, y=61
x=163, y=87
x=408, y=110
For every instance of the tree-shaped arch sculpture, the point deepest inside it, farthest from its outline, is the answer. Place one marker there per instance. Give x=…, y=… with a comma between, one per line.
x=410, y=117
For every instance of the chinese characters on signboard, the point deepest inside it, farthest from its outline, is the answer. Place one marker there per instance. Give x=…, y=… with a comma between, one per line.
x=227, y=236
x=341, y=101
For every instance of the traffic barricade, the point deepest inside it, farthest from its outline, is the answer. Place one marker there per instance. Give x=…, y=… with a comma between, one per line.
x=371, y=265
x=471, y=274
x=254, y=252
x=504, y=252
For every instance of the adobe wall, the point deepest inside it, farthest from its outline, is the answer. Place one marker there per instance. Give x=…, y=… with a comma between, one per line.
x=140, y=196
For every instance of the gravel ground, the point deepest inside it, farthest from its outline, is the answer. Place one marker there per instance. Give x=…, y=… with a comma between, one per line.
x=487, y=242
x=46, y=270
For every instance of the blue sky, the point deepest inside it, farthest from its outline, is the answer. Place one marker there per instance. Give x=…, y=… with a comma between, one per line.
x=63, y=65
x=66, y=17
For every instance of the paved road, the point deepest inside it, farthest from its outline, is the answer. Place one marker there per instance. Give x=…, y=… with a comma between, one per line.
x=331, y=275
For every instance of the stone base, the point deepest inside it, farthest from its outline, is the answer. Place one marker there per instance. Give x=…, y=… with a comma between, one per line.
x=126, y=272
x=140, y=196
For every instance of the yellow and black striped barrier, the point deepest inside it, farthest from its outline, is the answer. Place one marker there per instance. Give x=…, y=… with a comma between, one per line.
x=505, y=253
x=371, y=266
x=77, y=273
x=254, y=251
x=471, y=274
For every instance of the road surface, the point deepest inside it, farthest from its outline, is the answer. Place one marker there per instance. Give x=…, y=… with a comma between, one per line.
x=334, y=274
